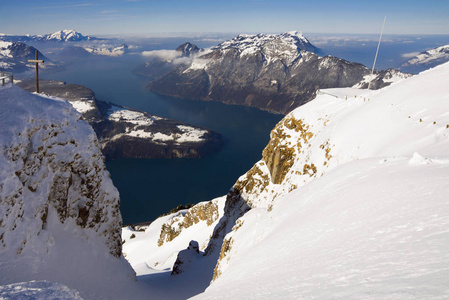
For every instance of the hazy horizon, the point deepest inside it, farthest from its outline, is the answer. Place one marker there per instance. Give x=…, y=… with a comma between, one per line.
x=140, y=17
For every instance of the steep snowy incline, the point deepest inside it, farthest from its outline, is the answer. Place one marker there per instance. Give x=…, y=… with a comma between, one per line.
x=349, y=201
x=369, y=229
x=59, y=211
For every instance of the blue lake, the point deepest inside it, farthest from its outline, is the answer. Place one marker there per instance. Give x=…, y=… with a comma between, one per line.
x=150, y=187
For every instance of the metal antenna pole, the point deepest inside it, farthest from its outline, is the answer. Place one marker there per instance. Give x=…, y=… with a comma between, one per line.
x=377, y=51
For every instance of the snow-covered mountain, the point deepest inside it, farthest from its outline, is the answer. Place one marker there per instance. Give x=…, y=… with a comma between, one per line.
x=14, y=57
x=65, y=36
x=275, y=72
x=108, y=51
x=427, y=59
x=188, y=49
x=59, y=210
x=349, y=200
x=57, y=36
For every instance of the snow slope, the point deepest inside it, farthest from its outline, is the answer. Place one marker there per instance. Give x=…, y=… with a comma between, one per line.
x=38, y=290
x=350, y=201
x=369, y=229
x=370, y=220
x=59, y=210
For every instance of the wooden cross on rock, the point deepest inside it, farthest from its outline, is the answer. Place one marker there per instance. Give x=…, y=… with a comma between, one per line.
x=37, y=61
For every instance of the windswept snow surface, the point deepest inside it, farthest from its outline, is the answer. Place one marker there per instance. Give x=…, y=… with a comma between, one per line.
x=375, y=224
x=38, y=290
x=369, y=229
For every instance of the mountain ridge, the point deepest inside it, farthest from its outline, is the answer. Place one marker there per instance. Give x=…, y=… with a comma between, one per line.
x=65, y=35
x=271, y=72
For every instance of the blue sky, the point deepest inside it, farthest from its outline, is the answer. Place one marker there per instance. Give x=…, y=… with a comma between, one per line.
x=143, y=17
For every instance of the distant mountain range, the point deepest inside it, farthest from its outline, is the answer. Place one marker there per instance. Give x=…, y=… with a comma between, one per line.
x=427, y=59
x=14, y=57
x=275, y=72
x=58, y=36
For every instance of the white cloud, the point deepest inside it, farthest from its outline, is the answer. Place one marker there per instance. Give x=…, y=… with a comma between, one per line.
x=410, y=55
x=167, y=55
x=182, y=60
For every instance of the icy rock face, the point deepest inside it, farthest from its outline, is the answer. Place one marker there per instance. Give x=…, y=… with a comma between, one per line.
x=185, y=257
x=271, y=72
x=51, y=164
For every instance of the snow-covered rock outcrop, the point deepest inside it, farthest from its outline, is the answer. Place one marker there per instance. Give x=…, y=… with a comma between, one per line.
x=59, y=210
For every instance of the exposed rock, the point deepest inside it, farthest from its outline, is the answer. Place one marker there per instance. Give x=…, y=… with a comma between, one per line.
x=278, y=156
x=188, y=49
x=204, y=211
x=225, y=249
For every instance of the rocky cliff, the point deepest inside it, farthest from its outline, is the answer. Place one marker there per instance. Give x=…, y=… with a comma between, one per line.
x=59, y=210
x=271, y=72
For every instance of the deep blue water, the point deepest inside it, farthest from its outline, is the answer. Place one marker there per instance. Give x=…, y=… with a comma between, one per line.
x=149, y=188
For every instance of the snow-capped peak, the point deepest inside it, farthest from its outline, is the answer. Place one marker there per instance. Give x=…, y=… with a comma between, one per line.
x=288, y=44
x=65, y=35
x=430, y=57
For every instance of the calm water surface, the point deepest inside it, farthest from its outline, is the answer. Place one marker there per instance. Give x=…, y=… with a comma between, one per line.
x=150, y=187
